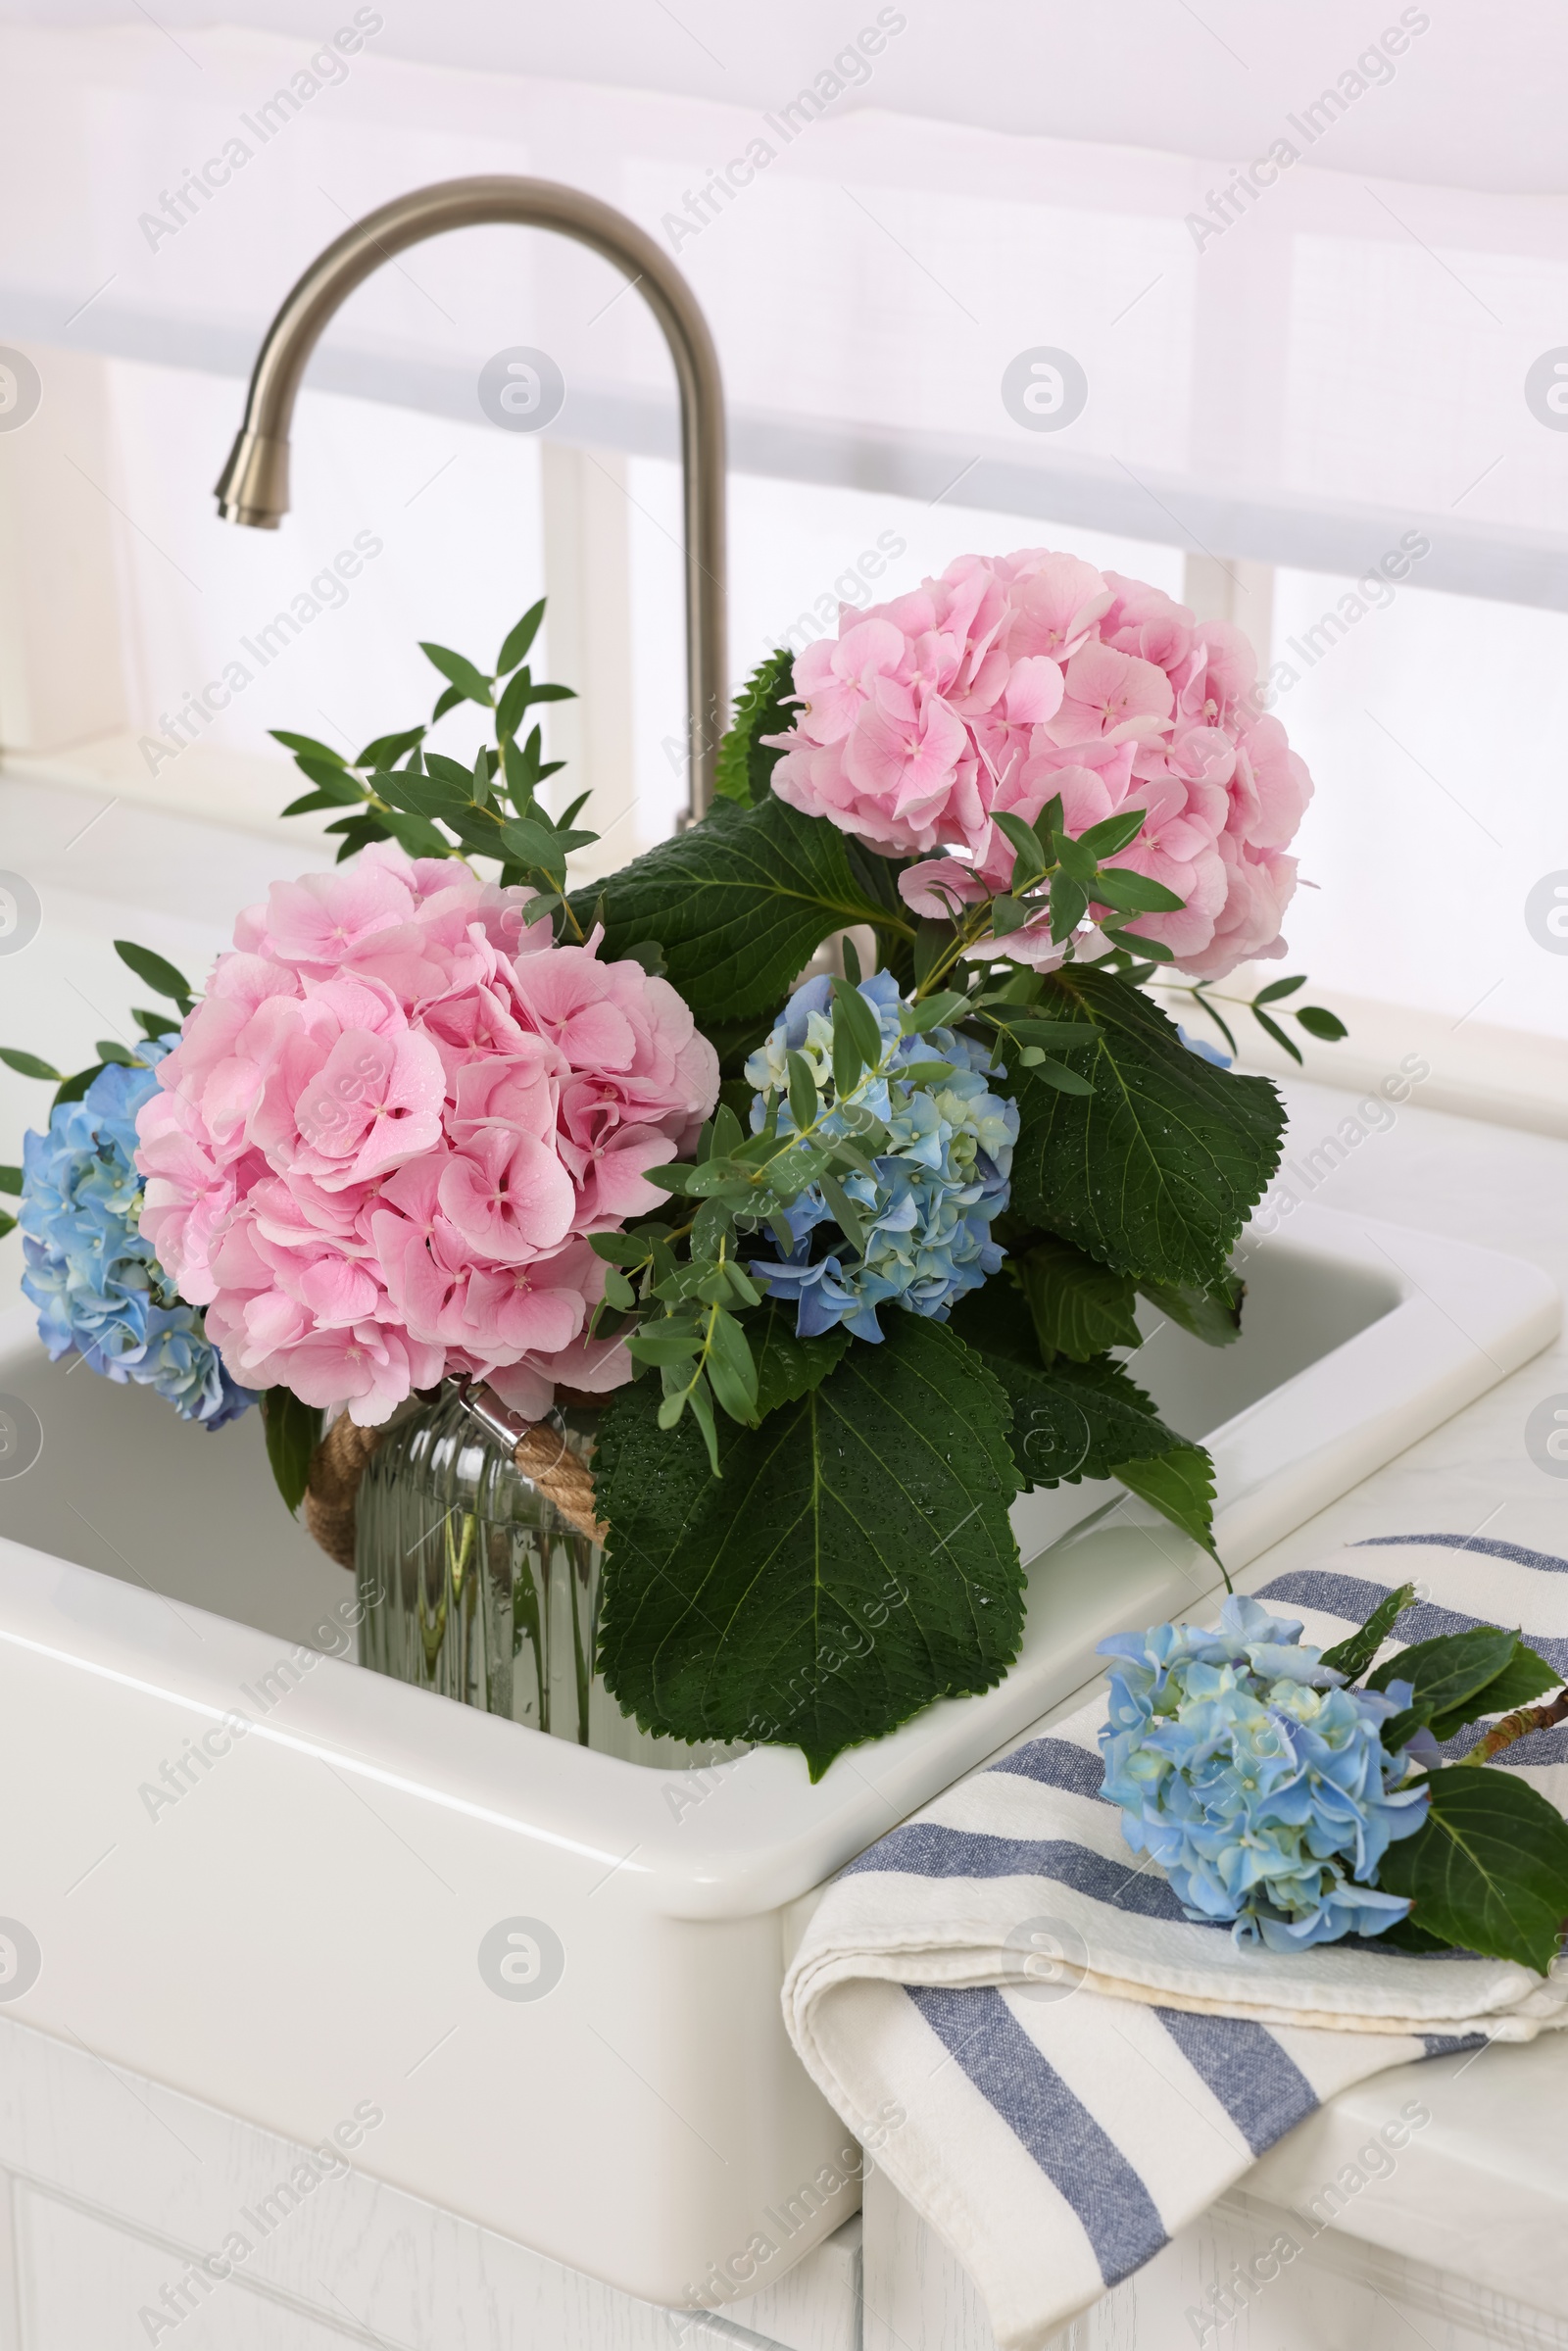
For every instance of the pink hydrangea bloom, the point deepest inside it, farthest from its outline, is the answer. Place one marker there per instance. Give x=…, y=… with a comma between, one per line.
x=391, y=1124
x=1013, y=678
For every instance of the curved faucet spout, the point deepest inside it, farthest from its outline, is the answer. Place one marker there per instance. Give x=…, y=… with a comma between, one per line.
x=254, y=486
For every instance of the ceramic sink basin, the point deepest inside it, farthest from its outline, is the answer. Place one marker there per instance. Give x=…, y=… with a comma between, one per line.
x=298, y=1891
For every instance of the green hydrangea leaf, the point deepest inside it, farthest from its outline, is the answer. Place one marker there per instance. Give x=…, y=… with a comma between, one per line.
x=739, y=904
x=765, y=705
x=788, y=1367
x=1157, y=1170
x=1074, y=1420
x=1445, y=1673
x=854, y=1562
x=1212, y=1313
x=1525, y=1676
x=1453, y=1686
x=1080, y=1307
x=1180, y=1485
x=1487, y=1869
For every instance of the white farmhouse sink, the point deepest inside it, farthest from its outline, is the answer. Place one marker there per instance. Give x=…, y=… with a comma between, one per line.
x=300, y=1934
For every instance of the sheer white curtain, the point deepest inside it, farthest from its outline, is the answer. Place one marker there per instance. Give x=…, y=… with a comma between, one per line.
x=1312, y=367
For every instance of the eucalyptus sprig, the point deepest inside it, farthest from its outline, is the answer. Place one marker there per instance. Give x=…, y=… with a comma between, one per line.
x=1315, y=1019
x=397, y=789
x=680, y=1307
x=1056, y=872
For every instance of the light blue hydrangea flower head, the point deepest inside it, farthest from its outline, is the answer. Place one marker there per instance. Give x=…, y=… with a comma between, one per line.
x=1255, y=1778
x=940, y=1180
x=94, y=1280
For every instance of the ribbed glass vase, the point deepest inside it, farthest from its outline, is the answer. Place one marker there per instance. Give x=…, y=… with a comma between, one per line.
x=475, y=1586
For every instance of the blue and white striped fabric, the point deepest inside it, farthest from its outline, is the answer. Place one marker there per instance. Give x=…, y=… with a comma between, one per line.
x=1056, y=2068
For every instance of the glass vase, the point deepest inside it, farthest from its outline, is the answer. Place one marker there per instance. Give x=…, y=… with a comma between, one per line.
x=475, y=1586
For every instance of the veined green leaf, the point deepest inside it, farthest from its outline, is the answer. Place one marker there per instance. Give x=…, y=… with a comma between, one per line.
x=740, y=904
x=1074, y=1420
x=1156, y=1171
x=1213, y=1314
x=765, y=705
x=1446, y=1672
x=788, y=1366
x=1487, y=1869
x=1180, y=1484
x=1079, y=1306
x=1526, y=1676
x=854, y=1562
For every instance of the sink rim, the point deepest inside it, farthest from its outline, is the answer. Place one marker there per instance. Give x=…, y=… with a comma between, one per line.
x=755, y=1834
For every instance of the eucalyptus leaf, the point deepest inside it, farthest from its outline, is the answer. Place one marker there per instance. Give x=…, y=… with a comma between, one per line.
x=305, y=746
x=1276, y=989
x=470, y=683
x=1352, y=1655
x=293, y=1431
x=1321, y=1023
x=520, y=640
x=156, y=973
x=385, y=750
x=26, y=1065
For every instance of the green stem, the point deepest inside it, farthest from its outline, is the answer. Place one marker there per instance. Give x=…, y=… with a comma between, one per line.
x=1518, y=1725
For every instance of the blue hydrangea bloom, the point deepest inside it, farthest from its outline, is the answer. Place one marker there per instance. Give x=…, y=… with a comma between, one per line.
x=92, y=1275
x=940, y=1180
x=1255, y=1779
x=1202, y=1049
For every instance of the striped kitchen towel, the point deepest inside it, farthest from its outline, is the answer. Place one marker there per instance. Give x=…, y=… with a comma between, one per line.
x=1062, y=2070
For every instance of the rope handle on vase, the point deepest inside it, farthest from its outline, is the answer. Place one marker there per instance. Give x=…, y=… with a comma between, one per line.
x=540, y=1452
